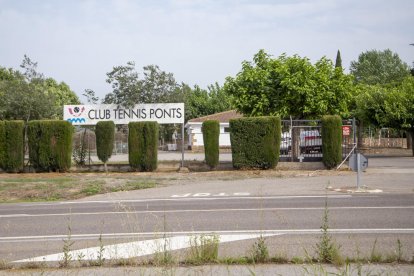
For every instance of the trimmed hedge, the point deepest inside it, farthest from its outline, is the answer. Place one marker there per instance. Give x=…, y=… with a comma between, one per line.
x=2, y=144
x=143, y=145
x=255, y=142
x=211, y=133
x=105, y=136
x=331, y=141
x=12, y=146
x=50, y=145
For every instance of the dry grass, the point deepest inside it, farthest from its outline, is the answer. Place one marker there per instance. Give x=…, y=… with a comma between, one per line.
x=55, y=186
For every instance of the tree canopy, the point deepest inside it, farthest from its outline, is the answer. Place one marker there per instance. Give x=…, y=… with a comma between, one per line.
x=157, y=86
x=128, y=89
x=287, y=86
x=379, y=67
x=29, y=95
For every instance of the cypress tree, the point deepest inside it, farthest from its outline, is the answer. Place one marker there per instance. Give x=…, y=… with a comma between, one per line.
x=211, y=135
x=331, y=140
x=105, y=136
x=338, y=61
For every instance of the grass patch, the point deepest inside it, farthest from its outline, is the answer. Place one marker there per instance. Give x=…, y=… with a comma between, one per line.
x=4, y=265
x=204, y=249
x=134, y=185
x=53, y=186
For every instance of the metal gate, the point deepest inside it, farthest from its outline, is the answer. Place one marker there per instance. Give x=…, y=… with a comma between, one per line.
x=302, y=141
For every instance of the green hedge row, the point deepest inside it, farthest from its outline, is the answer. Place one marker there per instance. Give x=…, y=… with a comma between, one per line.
x=3, y=148
x=50, y=145
x=331, y=141
x=143, y=145
x=255, y=142
x=211, y=133
x=105, y=136
x=12, y=146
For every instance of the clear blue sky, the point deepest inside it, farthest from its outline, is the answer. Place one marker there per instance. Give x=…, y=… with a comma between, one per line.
x=200, y=42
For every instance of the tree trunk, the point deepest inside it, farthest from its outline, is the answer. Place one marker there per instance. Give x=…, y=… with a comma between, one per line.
x=409, y=139
x=360, y=130
x=106, y=168
x=295, y=143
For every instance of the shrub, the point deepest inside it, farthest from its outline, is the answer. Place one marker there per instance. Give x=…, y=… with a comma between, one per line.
x=50, y=145
x=255, y=142
x=143, y=145
x=211, y=133
x=331, y=141
x=12, y=146
x=105, y=136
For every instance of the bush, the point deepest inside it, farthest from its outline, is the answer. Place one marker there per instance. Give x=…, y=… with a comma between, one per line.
x=50, y=145
x=143, y=145
x=211, y=133
x=255, y=142
x=105, y=136
x=331, y=141
x=12, y=146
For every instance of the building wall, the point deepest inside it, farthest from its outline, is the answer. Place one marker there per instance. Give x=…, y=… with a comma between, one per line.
x=196, y=135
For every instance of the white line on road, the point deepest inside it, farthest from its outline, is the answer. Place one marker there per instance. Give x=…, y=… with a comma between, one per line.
x=140, y=248
x=207, y=211
x=184, y=199
x=221, y=232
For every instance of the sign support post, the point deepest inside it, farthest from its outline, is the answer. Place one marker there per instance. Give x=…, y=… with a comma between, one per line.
x=182, y=145
x=358, y=169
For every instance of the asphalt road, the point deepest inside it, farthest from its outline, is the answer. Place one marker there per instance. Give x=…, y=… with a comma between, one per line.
x=30, y=230
x=288, y=210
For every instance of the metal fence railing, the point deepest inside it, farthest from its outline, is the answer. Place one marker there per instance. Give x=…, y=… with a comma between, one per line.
x=301, y=140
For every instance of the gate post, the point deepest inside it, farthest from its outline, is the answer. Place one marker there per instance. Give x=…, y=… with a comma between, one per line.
x=295, y=143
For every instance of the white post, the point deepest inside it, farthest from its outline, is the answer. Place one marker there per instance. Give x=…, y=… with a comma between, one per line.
x=182, y=145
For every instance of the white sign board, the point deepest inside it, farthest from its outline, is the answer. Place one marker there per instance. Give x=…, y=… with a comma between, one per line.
x=163, y=113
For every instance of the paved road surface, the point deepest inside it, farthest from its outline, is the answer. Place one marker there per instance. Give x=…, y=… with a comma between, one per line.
x=288, y=210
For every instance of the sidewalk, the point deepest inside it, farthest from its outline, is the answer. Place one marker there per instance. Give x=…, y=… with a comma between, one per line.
x=230, y=270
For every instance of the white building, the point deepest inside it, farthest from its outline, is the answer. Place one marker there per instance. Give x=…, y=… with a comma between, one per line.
x=195, y=135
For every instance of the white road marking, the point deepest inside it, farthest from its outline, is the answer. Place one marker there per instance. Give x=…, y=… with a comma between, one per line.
x=206, y=211
x=116, y=201
x=221, y=233
x=139, y=248
x=244, y=194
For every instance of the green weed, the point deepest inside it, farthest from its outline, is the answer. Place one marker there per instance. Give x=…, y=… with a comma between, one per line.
x=5, y=265
x=67, y=245
x=326, y=249
x=259, y=251
x=204, y=249
x=375, y=256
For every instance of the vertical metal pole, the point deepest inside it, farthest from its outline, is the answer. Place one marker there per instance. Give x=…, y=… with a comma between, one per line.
x=354, y=129
x=358, y=170
x=89, y=151
x=182, y=145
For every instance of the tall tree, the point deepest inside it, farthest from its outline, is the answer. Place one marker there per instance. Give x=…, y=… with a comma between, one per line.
x=91, y=98
x=128, y=89
x=201, y=102
x=388, y=106
x=338, y=60
x=290, y=86
x=29, y=95
x=379, y=67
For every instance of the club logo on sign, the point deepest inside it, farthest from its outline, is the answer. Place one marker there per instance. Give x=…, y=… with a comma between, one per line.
x=76, y=112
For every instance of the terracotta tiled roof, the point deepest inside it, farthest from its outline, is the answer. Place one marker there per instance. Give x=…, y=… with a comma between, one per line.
x=222, y=117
